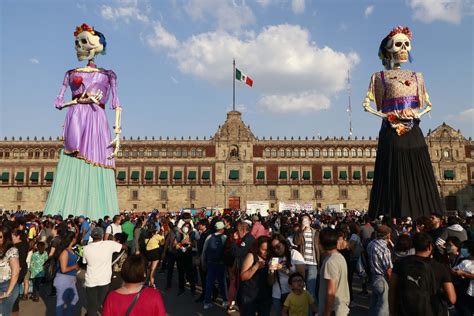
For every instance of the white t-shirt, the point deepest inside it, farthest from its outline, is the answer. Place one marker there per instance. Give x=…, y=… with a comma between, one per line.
x=113, y=229
x=296, y=258
x=468, y=266
x=98, y=256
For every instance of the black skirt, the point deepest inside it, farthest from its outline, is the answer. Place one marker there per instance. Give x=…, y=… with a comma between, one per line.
x=404, y=182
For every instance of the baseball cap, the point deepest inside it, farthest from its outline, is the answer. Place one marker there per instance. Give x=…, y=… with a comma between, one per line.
x=219, y=225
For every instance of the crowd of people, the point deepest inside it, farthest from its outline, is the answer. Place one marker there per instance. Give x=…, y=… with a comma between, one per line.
x=286, y=263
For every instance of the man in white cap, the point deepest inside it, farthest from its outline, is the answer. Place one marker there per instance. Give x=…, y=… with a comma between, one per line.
x=212, y=260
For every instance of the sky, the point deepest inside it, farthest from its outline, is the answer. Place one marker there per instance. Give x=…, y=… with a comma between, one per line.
x=173, y=59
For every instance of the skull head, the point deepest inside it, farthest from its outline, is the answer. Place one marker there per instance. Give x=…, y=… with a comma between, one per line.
x=399, y=46
x=87, y=45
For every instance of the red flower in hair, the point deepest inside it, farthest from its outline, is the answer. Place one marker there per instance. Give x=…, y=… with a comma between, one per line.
x=400, y=29
x=82, y=28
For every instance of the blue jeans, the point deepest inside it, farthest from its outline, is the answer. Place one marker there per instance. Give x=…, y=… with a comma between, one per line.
x=6, y=305
x=66, y=294
x=311, y=276
x=379, y=298
x=215, y=272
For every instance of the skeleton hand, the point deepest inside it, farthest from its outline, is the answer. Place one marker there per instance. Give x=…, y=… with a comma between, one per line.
x=368, y=108
x=94, y=98
x=116, y=143
x=65, y=105
x=426, y=110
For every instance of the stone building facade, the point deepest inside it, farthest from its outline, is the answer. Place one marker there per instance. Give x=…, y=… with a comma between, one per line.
x=234, y=167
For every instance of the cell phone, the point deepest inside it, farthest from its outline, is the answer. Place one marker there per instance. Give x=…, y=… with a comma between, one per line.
x=274, y=261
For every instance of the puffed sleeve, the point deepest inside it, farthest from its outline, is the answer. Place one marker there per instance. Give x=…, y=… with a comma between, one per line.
x=115, y=103
x=424, y=96
x=375, y=91
x=60, y=97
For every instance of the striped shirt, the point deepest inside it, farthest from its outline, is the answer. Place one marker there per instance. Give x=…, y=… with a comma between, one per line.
x=309, y=257
x=380, y=258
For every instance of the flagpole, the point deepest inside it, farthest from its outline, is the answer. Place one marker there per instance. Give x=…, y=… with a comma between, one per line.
x=233, y=88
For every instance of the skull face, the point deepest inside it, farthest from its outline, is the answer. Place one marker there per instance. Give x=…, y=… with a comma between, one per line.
x=87, y=46
x=399, y=46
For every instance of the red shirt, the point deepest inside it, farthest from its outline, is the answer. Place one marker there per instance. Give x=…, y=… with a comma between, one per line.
x=149, y=303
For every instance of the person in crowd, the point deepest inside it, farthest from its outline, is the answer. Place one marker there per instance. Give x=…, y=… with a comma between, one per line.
x=416, y=281
x=212, y=261
x=242, y=242
x=118, y=258
x=255, y=293
x=20, y=241
x=437, y=232
x=403, y=248
x=137, y=230
x=452, y=252
x=26, y=279
x=454, y=229
x=299, y=301
x=284, y=261
x=65, y=280
x=186, y=240
x=257, y=228
x=85, y=230
x=113, y=228
x=170, y=253
x=464, y=275
x=127, y=228
x=367, y=230
x=98, y=257
x=9, y=271
x=133, y=296
x=38, y=258
x=307, y=243
x=203, y=232
x=334, y=293
x=422, y=224
x=153, y=242
x=380, y=263
x=355, y=249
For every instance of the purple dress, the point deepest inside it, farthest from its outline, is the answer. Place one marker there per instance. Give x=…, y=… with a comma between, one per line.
x=86, y=130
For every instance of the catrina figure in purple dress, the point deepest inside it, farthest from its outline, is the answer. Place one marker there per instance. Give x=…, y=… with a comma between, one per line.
x=404, y=182
x=85, y=178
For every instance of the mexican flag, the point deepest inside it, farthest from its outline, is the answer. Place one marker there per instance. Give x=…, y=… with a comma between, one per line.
x=239, y=75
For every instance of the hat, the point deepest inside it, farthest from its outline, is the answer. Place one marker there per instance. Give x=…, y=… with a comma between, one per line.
x=219, y=225
x=383, y=231
x=97, y=232
x=58, y=217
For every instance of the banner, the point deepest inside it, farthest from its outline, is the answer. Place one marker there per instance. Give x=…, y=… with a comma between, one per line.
x=295, y=205
x=256, y=207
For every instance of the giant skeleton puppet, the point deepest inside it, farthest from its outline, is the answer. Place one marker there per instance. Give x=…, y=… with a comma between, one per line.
x=85, y=179
x=404, y=182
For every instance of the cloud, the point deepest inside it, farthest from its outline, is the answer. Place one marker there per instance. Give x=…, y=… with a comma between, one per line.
x=369, y=10
x=450, y=11
x=466, y=116
x=283, y=61
x=302, y=102
x=229, y=15
x=126, y=10
x=238, y=107
x=34, y=60
x=161, y=38
x=264, y=3
x=297, y=6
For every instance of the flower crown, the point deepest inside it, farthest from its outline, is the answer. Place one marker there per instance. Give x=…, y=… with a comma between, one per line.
x=84, y=27
x=400, y=29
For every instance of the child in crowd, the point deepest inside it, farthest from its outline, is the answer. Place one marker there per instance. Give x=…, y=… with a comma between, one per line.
x=38, y=258
x=298, y=301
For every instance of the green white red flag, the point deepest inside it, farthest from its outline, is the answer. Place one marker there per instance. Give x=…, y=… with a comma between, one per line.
x=239, y=75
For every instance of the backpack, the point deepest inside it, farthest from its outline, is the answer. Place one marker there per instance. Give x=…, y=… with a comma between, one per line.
x=215, y=249
x=50, y=267
x=417, y=287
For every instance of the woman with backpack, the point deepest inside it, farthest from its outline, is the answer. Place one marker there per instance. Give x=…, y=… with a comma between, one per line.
x=186, y=241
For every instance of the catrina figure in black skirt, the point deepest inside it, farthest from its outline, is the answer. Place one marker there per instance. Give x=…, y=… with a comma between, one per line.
x=404, y=182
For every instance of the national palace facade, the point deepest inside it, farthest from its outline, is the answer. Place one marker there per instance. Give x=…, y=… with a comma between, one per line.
x=234, y=167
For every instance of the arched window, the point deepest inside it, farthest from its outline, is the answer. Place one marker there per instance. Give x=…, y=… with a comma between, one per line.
x=177, y=152
x=296, y=153
x=193, y=152
x=148, y=153
x=30, y=154
x=141, y=153
x=374, y=152
x=156, y=153
x=281, y=153
x=274, y=153
x=338, y=153
x=325, y=152
x=45, y=154
x=52, y=153
x=267, y=153
x=367, y=152
x=317, y=153
x=199, y=152
x=184, y=152
x=360, y=153
x=302, y=153
x=163, y=153
x=331, y=152
x=310, y=152
x=288, y=153
x=126, y=154
x=446, y=153
x=345, y=152
x=134, y=154
x=353, y=153
x=169, y=152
